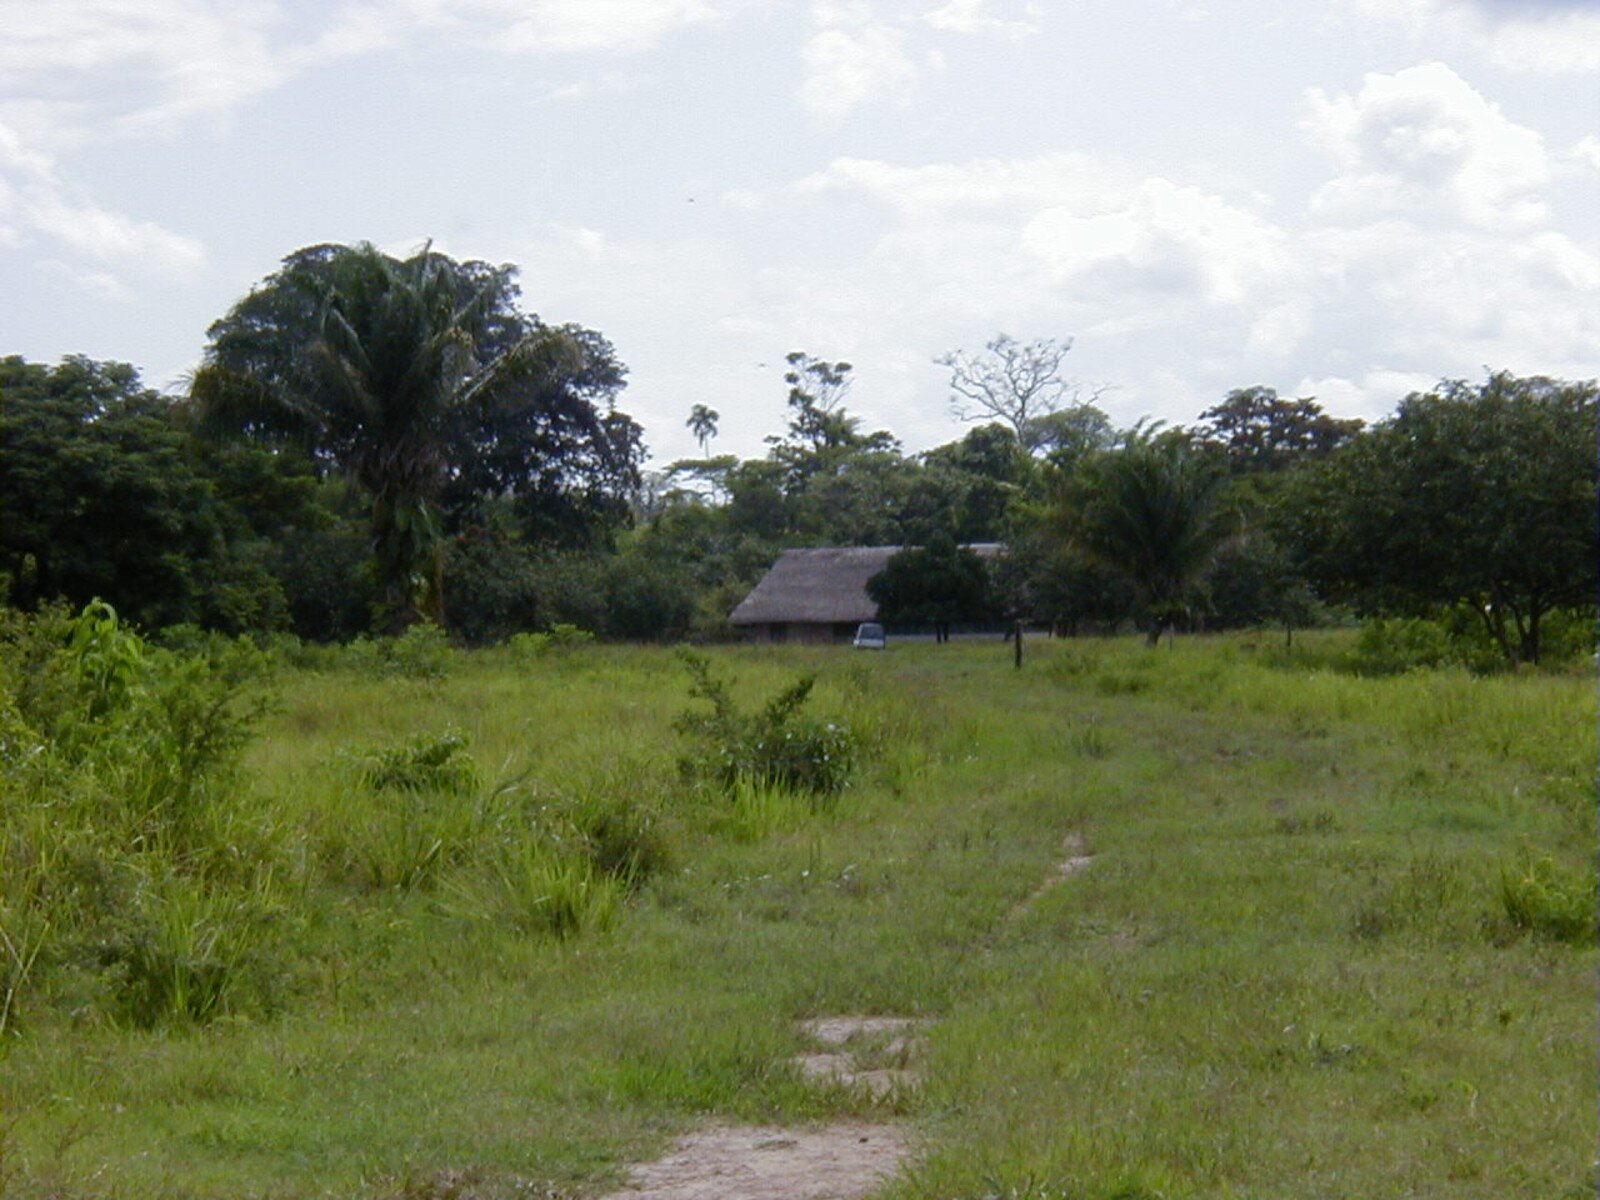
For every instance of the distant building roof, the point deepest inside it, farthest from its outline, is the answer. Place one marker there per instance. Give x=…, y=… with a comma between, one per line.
x=822, y=586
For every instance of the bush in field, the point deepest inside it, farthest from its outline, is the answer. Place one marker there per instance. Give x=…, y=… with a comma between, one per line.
x=1391, y=646
x=423, y=763
x=159, y=731
x=120, y=854
x=619, y=836
x=560, y=638
x=184, y=953
x=535, y=886
x=777, y=746
x=1541, y=897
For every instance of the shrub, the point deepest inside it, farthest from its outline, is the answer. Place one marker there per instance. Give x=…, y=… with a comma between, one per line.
x=777, y=747
x=622, y=839
x=535, y=887
x=528, y=645
x=1545, y=899
x=186, y=954
x=559, y=638
x=422, y=763
x=421, y=652
x=1393, y=645
x=568, y=637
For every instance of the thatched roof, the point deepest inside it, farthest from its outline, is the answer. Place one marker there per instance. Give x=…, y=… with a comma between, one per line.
x=821, y=586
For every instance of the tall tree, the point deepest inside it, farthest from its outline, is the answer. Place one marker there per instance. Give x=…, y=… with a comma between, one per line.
x=831, y=471
x=1259, y=431
x=702, y=423
x=104, y=492
x=1482, y=494
x=1016, y=383
x=1153, y=512
x=412, y=376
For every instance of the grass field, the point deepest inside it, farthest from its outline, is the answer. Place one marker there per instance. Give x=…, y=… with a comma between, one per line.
x=1336, y=938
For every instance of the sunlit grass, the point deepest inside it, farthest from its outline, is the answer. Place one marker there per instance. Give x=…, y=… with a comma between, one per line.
x=1330, y=942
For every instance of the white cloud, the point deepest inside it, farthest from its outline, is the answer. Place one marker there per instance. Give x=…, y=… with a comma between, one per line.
x=854, y=59
x=1163, y=238
x=1370, y=396
x=1459, y=299
x=101, y=285
x=1005, y=187
x=34, y=202
x=83, y=66
x=577, y=26
x=107, y=236
x=1542, y=39
x=71, y=69
x=1585, y=153
x=976, y=17
x=1424, y=143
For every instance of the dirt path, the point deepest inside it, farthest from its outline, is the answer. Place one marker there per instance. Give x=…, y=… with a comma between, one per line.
x=843, y=1160
x=1077, y=859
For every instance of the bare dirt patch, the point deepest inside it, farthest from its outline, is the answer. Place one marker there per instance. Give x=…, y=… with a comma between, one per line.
x=841, y=1161
x=1077, y=859
x=875, y=1053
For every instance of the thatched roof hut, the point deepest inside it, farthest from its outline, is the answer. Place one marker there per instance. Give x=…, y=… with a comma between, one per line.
x=818, y=595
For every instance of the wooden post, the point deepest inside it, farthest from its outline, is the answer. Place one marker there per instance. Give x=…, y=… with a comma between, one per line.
x=1016, y=632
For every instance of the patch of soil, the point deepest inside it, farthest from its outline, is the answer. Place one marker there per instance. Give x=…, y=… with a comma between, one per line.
x=874, y=1053
x=842, y=1161
x=843, y=1069
x=1077, y=859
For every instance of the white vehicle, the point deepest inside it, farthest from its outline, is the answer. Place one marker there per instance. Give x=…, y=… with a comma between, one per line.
x=869, y=636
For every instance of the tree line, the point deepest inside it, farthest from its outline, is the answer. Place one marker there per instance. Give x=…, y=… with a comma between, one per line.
x=371, y=442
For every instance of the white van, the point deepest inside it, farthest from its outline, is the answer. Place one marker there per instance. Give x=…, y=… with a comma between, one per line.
x=869, y=636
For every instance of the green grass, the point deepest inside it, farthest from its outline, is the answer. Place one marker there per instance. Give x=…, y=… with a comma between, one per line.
x=1326, y=946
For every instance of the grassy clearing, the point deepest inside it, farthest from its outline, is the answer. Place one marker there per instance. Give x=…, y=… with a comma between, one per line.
x=1337, y=937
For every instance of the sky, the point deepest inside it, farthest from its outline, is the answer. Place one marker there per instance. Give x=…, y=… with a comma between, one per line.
x=1345, y=199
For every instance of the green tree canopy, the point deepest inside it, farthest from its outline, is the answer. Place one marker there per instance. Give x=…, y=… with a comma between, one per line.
x=106, y=493
x=422, y=381
x=1472, y=493
x=1152, y=512
x=1256, y=430
x=938, y=584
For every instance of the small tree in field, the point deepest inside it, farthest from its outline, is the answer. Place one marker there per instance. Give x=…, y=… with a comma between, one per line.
x=938, y=584
x=1481, y=494
x=1152, y=513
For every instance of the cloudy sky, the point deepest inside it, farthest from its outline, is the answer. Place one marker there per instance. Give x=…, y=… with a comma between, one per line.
x=1341, y=198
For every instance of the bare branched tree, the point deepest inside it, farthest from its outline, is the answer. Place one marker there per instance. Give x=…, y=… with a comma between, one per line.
x=1015, y=383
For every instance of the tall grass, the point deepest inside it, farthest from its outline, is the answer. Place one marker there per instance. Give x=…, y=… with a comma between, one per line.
x=477, y=925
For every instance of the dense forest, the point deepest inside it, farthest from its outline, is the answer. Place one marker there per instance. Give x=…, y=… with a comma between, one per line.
x=370, y=443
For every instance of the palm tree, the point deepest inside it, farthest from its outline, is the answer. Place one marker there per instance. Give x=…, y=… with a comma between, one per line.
x=367, y=360
x=702, y=423
x=1152, y=512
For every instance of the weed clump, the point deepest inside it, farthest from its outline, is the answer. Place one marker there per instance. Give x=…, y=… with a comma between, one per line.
x=422, y=763
x=560, y=638
x=778, y=746
x=422, y=653
x=1431, y=897
x=1540, y=897
x=123, y=874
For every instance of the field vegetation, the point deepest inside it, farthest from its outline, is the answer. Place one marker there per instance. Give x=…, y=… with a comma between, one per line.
x=401, y=920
